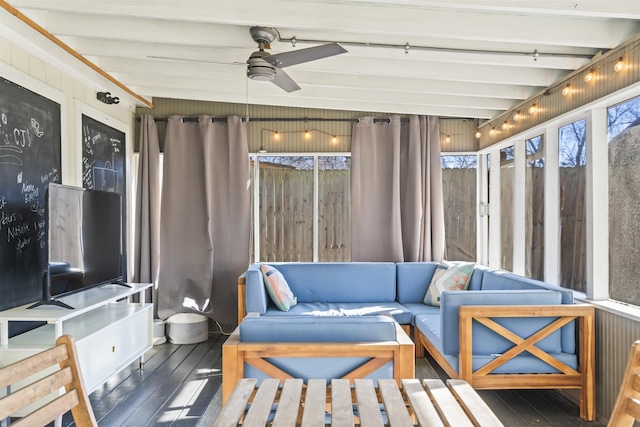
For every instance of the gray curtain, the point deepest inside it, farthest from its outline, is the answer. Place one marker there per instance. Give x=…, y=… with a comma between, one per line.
x=205, y=221
x=396, y=190
x=147, y=216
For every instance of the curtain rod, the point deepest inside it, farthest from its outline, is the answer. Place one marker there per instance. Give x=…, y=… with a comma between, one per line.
x=294, y=119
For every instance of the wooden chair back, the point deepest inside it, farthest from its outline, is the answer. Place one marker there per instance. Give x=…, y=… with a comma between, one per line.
x=627, y=407
x=51, y=371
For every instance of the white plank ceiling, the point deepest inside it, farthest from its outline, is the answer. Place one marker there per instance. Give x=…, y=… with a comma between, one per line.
x=465, y=58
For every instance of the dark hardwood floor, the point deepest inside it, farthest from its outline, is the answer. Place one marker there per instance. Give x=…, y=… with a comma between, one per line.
x=179, y=383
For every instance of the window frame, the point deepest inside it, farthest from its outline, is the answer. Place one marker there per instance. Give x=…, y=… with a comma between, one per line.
x=597, y=273
x=255, y=197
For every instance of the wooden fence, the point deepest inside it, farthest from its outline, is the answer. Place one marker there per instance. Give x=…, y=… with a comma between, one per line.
x=286, y=214
x=572, y=224
x=459, y=195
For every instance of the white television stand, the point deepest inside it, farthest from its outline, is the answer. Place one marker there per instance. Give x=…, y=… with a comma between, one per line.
x=110, y=330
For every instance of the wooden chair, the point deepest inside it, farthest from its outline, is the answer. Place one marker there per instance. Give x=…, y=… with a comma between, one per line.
x=627, y=407
x=47, y=379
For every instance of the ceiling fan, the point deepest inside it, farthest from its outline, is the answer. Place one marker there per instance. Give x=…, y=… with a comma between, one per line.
x=263, y=66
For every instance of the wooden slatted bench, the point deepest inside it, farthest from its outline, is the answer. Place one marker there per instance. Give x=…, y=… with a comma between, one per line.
x=430, y=403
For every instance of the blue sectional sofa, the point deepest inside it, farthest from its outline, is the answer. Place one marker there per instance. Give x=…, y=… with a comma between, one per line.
x=506, y=331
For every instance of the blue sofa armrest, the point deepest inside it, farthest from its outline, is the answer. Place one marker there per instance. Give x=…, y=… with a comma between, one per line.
x=485, y=342
x=256, y=298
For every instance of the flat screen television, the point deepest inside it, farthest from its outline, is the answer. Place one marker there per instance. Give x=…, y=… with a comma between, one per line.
x=84, y=240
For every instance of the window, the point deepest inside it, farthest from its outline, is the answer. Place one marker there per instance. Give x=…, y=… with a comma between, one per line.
x=334, y=208
x=572, y=180
x=459, y=195
x=624, y=201
x=506, y=208
x=289, y=205
x=534, y=187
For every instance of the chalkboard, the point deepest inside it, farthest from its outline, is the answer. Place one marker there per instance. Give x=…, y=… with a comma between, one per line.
x=103, y=164
x=30, y=152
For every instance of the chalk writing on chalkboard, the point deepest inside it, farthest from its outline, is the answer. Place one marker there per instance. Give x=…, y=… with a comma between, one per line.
x=29, y=160
x=103, y=162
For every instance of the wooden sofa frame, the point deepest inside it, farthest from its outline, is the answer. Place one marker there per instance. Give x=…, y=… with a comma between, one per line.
x=582, y=379
x=235, y=353
x=46, y=373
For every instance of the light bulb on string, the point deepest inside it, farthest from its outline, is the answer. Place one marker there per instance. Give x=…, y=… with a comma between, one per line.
x=334, y=139
x=307, y=134
x=276, y=136
x=532, y=109
x=478, y=134
x=619, y=65
x=505, y=125
x=566, y=89
x=448, y=139
x=492, y=131
x=589, y=76
x=516, y=116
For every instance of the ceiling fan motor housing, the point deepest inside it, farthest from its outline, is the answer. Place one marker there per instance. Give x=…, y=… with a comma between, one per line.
x=258, y=68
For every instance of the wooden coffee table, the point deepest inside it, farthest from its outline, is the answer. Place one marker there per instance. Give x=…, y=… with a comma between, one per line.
x=425, y=403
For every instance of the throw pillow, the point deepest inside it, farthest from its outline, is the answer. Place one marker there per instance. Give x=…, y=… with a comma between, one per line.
x=278, y=288
x=448, y=277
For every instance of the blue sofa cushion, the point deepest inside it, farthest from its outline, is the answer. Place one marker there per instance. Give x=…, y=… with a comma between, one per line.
x=400, y=313
x=317, y=329
x=496, y=280
x=486, y=341
x=413, y=280
x=341, y=281
x=418, y=308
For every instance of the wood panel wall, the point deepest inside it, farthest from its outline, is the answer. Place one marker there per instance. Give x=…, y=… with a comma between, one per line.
x=291, y=134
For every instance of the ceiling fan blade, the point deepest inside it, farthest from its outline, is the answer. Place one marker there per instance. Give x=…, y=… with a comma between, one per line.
x=294, y=57
x=283, y=81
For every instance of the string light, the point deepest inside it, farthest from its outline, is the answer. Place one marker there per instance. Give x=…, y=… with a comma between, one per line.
x=589, y=76
x=448, y=139
x=532, y=109
x=566, y=89
x=306, y=134
x=478, y=134
x=505, y=125
x=492, y=131
x=516, y=116
x=619, y=65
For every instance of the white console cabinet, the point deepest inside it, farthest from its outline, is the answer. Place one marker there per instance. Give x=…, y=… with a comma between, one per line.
x=110, y=330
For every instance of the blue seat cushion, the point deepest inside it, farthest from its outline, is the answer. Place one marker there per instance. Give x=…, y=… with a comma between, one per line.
x=287, y=328
x=419, y=308
x=400, y=313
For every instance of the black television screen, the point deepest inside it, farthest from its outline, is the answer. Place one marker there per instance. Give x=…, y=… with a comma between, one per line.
x=84, y=239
